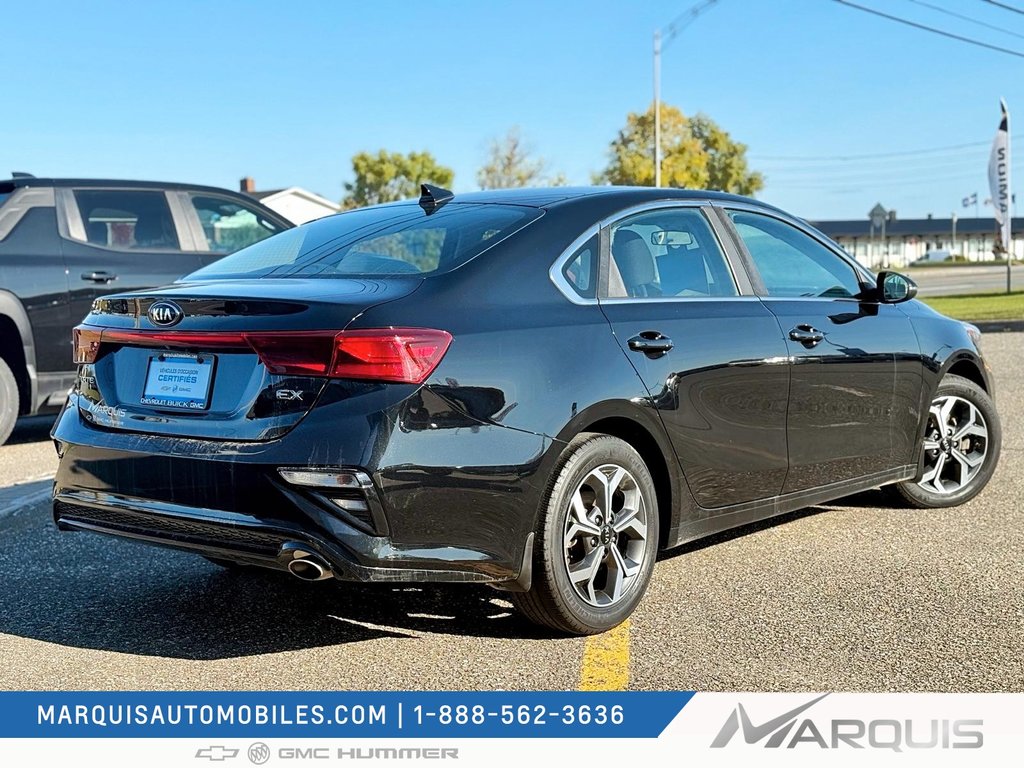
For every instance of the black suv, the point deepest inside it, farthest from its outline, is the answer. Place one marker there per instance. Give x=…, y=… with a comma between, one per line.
x=63, y=242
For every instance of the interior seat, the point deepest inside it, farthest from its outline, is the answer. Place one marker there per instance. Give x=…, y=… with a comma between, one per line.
x=635, y=263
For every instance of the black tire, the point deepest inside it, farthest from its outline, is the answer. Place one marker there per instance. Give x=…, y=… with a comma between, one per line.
x=553, y=600
x=10, y=401
x=912, y=492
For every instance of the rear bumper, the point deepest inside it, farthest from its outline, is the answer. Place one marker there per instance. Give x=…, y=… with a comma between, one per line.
x=441, y=522
x=243, y=538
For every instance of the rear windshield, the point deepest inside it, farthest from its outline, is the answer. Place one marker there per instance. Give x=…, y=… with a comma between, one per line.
x=389, y=240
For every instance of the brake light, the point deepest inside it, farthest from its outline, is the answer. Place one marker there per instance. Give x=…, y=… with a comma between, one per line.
x=407, y=355
x=397, y=354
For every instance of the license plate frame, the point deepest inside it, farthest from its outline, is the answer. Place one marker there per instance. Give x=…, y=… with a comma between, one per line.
x=186, y=384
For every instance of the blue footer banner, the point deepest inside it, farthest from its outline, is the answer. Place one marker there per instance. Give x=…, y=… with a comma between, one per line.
x=509, y=728
x=343, y=715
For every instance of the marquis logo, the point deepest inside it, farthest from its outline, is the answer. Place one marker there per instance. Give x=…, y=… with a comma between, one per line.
x=777, y=728
x=789, y=730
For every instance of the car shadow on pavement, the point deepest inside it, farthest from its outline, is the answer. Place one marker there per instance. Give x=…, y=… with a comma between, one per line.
x=31, y=429
x=93, y=592
x=89, y=591
x=739, y=532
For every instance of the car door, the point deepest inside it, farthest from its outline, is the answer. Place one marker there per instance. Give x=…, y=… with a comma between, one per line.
x=221, y=224
x=117, y=240
x=710, y=354
x=32, y=274
x=856, y=381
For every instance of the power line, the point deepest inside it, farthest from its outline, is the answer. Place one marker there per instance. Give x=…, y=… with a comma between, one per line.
x=964, y=17
x=1004, y=6
x=684, y=20
x=909, y=23
x=876, y=155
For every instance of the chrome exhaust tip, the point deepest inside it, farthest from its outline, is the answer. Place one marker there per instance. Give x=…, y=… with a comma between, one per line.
x=308, y=566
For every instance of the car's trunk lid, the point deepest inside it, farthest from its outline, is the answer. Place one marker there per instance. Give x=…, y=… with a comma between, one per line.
x=191, y=360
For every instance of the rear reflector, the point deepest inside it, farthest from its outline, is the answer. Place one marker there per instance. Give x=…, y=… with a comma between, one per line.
x=406, y=355
x=325, y=478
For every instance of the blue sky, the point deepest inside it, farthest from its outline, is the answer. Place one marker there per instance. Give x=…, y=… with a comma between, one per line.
x=209, y=92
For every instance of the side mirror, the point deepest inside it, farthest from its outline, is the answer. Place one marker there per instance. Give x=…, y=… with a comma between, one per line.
x=894, y=288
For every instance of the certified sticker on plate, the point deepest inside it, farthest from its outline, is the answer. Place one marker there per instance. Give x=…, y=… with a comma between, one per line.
x=178, y=381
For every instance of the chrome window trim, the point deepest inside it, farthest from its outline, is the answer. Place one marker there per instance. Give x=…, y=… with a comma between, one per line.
x=668, y=299
x=69, y=218
x=183, y=222
x=566, y=289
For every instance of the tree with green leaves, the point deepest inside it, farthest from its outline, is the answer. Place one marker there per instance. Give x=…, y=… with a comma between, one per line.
x=511, y=163
x=387, y=176
x=695, y=153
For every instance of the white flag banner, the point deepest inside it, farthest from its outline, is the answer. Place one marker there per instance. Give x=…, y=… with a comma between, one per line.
x=999, y=177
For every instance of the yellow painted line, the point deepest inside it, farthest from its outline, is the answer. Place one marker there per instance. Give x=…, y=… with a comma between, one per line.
x=606, y=661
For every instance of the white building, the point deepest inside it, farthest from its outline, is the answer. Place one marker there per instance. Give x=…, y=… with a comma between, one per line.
x=908, y=239
x=294, y=203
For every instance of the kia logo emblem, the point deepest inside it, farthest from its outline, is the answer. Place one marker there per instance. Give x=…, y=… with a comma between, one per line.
x=165, y=313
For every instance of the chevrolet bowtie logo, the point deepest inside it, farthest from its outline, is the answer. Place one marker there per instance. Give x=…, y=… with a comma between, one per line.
x=216, y=753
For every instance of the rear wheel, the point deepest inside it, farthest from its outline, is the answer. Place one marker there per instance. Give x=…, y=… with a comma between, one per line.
x=960, y=445
x=10, y=402
x=598, y=539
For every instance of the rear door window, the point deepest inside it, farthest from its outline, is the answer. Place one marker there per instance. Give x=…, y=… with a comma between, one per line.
x=667, y=252
x=127, y=219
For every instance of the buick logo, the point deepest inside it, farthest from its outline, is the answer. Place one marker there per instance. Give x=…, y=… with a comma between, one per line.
x=259, y=752
x=165, y=313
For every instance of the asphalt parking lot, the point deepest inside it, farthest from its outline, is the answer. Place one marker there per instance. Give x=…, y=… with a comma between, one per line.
x=855, y=595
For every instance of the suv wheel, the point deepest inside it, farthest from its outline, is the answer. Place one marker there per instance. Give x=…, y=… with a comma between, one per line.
x=10, y=402
x=598, y=539
x=961, y=446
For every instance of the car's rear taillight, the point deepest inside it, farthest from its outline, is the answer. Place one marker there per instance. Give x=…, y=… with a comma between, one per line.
x=398, y=354
x=407, y=355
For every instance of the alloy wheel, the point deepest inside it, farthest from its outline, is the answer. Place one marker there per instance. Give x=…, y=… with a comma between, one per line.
x=955, y=444
x=605, y=536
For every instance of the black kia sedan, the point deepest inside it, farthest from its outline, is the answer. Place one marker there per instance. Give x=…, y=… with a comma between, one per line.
x=533, y=389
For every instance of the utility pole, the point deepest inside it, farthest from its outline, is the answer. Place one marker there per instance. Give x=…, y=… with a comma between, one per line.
x=670, y=32
x=953, y=215
x=877, y=217
x=657, y=107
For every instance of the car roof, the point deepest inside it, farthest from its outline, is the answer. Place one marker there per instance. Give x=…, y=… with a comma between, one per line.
x=32, y=181
x=549, y=197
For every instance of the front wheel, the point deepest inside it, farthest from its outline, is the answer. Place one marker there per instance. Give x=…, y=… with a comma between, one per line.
x=960, y=446
x=598, y=539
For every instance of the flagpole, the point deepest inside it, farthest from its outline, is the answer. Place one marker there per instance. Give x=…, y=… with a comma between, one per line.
x=1008, y=226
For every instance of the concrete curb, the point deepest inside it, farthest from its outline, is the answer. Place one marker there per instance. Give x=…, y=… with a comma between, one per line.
x=999, y=326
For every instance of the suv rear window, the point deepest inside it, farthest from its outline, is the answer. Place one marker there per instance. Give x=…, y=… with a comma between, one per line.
x=389, y=240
